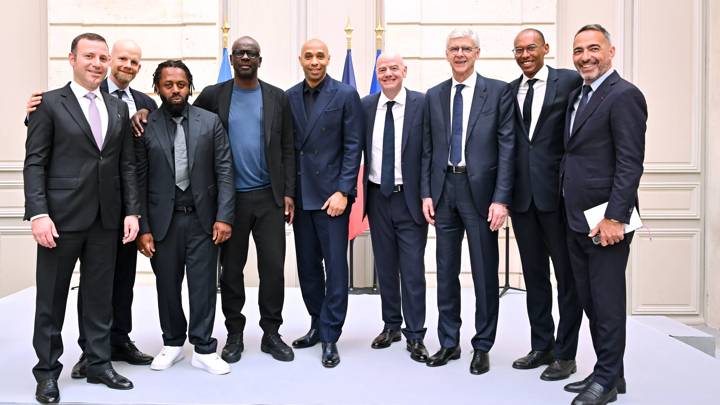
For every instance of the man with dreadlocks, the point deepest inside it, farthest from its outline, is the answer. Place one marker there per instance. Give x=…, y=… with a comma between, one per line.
x=187, y=207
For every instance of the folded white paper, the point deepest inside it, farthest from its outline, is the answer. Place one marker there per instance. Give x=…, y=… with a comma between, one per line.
x=594, y=215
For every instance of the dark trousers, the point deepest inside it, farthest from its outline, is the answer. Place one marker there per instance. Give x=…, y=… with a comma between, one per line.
x=256, y=213
x=456, y=216
x=399, y=249
x=186, y=248
x=122, y=295
x=320, y=239
x=540, y=236
x=95, y=248
x=600, y=281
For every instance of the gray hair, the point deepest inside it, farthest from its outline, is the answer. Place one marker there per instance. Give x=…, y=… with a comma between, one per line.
x=595, y=27
x=462, y=33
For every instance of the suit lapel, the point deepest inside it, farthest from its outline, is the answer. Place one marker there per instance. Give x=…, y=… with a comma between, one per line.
x=224, y=100
x=268, y=112
x=595, y=100
x=478, y=101
x=445, y=106
x=194, y=127
x=371, y=110
x=550, y=92
x=327, y=93
x=568, y=114
x=113, y=117
x=157, y=120
x=73, y=108
x=515, y=86
x=411, y=107
x=298, y=110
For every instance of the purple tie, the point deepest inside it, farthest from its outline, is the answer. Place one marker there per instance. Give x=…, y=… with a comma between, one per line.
x=94, y=118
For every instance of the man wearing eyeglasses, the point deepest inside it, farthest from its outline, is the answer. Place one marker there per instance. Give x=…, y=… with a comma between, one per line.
x=466, y=186
x=537, y=209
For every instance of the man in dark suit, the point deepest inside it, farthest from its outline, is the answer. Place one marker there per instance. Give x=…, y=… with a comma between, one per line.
x=329, y=132
x=393, y=149
x=78, y=158
x=257, y=118
x=124, y=66
x=537, y=213
x=603, y=163
x=188, y=204
x=466, y=186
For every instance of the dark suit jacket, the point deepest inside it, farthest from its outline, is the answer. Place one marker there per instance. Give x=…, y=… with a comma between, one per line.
x=67, y=176
x=142, y=100
x=211, y=172
x=328, y=143
x=411, y=149
x=604, y=154
x=489, y=145
x=537, y=161
x=277, y=122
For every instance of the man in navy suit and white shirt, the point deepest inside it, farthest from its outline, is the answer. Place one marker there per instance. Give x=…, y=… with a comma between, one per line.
x=603, y=163
x=398, y=230
x=466, y=186
x=537, y=212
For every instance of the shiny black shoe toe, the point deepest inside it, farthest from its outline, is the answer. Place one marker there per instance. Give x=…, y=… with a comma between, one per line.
x=558, y=370
x=130, y=354
x=385, y=339
x=79, y=370
x=579, y=386
x=595, y=394
x=111, y=379
x=480, y=363
x=443, y=355
x=534, y=359
x=47, y=391
x=309, y=340
x=232, y=352
x=417, y=350
x=330, y=355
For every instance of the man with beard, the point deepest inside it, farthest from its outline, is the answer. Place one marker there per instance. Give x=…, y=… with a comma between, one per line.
x=187, y=205
x=259, y=125
x=124, y=66
x=329, y=133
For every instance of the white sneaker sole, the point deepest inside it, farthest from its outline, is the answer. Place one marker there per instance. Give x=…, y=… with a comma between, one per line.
x=198, y=364
x=155, y=367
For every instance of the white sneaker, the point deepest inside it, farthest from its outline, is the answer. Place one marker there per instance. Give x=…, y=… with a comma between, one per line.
x=168, y=356
x=212, y=363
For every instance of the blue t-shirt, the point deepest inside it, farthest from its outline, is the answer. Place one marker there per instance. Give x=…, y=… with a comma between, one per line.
x=247, y=139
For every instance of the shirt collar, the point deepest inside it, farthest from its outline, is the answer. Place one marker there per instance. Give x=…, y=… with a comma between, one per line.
x=541, y=75
x=112, y=87
x=316, y=89
x=469, y=82
x=399, y=98
x=594, y=85
x=81, y=91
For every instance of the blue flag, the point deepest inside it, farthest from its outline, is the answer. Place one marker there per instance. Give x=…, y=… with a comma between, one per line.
x=374, y=84
x=348, y=76
x=225, y=71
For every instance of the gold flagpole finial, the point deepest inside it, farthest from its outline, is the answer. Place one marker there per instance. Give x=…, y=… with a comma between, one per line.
x=379, y=36
x=348, y=33
x=226, y=33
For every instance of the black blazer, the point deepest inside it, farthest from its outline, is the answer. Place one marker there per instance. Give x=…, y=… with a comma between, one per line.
x=489, y=146
x=604, y=153
x=328, y=143
x=67, y=176
x=211, y=172
x=142, y=100
x=537, y=161
x=411, y=149
x=277, y=122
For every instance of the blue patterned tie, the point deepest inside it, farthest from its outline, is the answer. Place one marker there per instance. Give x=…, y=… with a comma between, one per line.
x=457, y=126
x=387, y=172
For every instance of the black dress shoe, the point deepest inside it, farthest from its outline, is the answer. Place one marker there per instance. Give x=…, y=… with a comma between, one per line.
x=579, y=386
x=330, y=355
x=444, y=355
x=480, y=363
x=309, y=340
x=274, y=345
x=112, y=379
x=47, y=391
x=385, y=339
x=534, y=359
x=417, y=350
x=595, y=394
x=79, y=370
x=233, y=349
x=558, y=370
x=130, y=354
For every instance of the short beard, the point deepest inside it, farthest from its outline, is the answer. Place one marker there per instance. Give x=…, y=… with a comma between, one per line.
x=175, y=110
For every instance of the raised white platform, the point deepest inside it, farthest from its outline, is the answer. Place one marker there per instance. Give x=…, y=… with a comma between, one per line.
x=659, y=369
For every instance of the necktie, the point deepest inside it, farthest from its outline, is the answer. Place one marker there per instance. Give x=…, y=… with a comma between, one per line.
x=94, y=120
x=586, y=89
x=527, y=106
x=457, y=126
x=182, y=178
x=387, y=174
x=119, y=93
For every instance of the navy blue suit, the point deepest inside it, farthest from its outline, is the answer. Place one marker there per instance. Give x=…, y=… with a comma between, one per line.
x=397, y=226
x=462, y=200
x=539, y=219
x=603, y=162
x=328, y=145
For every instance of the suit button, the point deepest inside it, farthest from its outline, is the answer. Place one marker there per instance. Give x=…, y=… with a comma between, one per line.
x=317, y=172
x=531, y=147
x=301, y=153
x=315, y=152
x=323, y=129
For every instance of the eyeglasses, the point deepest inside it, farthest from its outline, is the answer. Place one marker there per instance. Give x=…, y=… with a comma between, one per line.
x=454, y=50
x=529, y=49
x=239, y=53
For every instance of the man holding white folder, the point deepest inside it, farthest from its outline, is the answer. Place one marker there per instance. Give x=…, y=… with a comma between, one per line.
x=603, y=162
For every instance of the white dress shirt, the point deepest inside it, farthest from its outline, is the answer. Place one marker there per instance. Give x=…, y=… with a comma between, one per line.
x=80, y=93
x=398, y=111
x=127, y=97
x=539, y=88
x=467, y=95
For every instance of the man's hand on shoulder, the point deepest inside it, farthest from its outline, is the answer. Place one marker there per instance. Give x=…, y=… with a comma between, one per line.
x=138, y=121
x=34, y=101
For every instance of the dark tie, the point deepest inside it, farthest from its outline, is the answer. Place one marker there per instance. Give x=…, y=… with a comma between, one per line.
x=94, y=120
x=457, y=126
x=119, y=93
x=182, y=178
x=527, y=105
x=586, y=89
x=387, y=173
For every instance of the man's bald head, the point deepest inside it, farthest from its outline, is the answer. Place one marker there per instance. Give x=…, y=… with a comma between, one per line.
x=125, y=62
x=390, y=70
x=314, y=58
x=247, y=41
